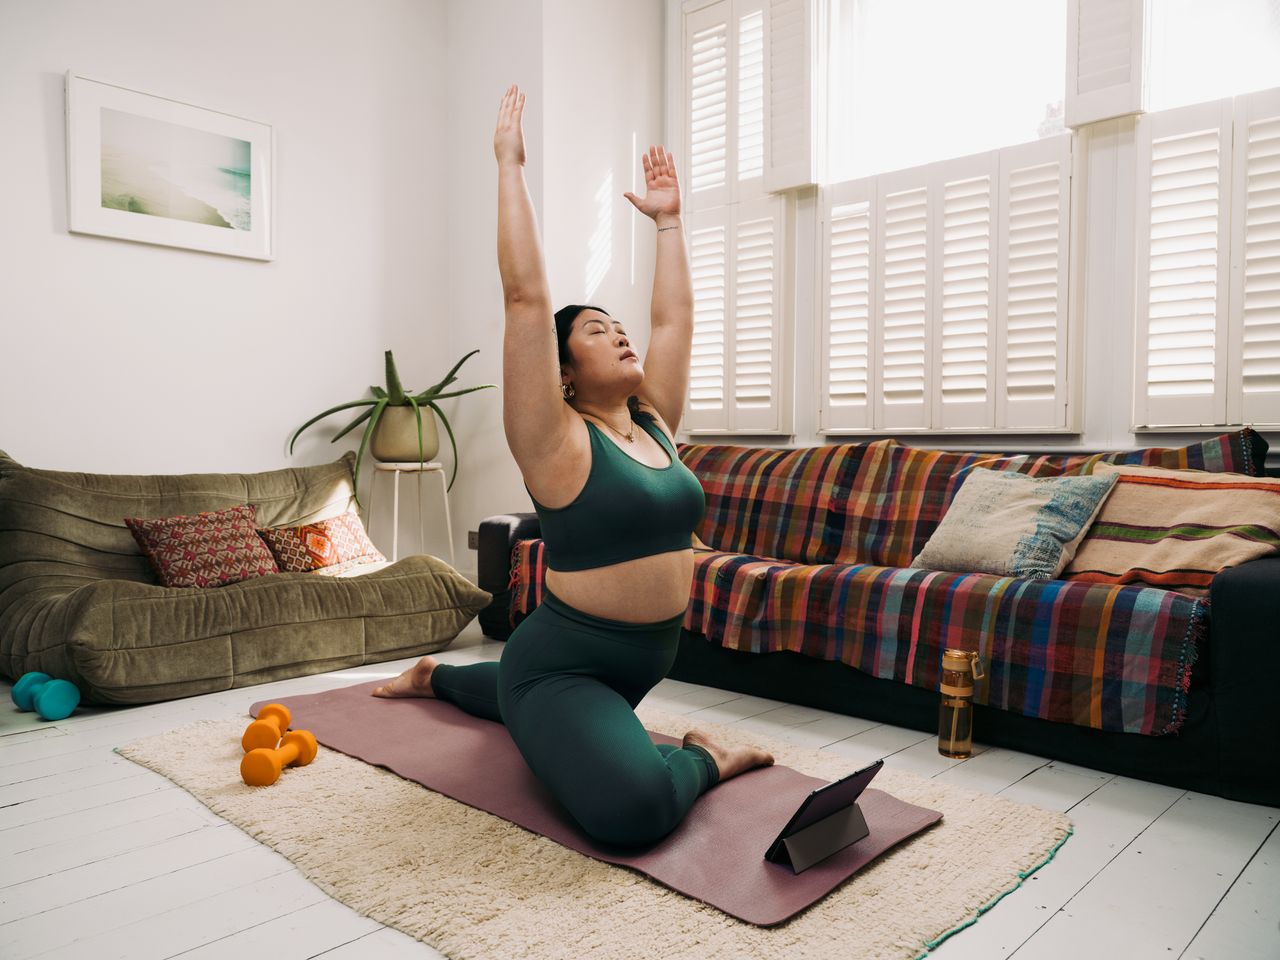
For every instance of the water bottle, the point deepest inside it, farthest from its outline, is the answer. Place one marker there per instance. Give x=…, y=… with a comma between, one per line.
x=955, y=714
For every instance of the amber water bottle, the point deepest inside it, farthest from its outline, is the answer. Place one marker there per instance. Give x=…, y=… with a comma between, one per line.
x=955, y=714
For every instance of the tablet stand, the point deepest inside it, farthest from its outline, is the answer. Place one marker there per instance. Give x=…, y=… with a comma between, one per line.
x=805, y=847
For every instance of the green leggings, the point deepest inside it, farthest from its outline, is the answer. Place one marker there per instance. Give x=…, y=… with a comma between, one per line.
x=566, y=686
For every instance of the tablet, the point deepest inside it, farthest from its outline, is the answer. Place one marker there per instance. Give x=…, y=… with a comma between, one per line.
x=826, y=800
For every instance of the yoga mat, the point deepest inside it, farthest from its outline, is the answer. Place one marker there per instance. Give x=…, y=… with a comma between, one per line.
x=715, y=855
x=477, y=887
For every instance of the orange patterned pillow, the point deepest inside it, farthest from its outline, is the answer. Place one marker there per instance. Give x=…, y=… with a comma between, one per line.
x=210, y=549
x=320, y=545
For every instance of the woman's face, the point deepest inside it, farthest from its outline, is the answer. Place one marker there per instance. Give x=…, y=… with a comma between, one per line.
x=604, y=361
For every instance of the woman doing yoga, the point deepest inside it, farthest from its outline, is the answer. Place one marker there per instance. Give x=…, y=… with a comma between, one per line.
x=617, y=508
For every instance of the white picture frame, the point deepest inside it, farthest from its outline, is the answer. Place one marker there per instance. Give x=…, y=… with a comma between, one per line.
x=155, y=170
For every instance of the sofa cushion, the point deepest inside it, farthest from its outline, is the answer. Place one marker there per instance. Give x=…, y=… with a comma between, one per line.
x=788, y=504
x=901, y=493
x=1013, y=525
x=210, y=549
x=337, y=542
x=126, y=643
x=1102, y=656
x=1178, y=528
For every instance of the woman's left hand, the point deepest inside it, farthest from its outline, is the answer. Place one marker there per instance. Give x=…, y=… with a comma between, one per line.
x=662, y=190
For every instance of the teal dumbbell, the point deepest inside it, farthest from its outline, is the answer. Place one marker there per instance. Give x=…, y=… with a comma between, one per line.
x=52, y=699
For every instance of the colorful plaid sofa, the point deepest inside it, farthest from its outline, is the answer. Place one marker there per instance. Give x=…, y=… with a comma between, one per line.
x=803, y=593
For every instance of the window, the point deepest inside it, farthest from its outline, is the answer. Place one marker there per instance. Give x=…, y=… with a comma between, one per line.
x=944, y=294
x=1205, y=51
x=1208, y=264
x=908, y=96
x=737, y=376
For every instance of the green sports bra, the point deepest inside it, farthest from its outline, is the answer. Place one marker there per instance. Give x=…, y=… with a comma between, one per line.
x=625, y=510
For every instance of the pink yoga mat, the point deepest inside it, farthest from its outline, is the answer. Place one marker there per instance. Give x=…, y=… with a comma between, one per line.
x=715, y=855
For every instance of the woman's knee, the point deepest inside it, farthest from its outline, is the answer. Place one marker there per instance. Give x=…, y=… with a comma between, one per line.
x=633, y=814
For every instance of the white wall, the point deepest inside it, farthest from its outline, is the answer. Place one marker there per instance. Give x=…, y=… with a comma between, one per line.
x=123, y=357
x=592, y=73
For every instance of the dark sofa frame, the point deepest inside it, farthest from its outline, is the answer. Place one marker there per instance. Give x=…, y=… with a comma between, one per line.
x=1228, y=745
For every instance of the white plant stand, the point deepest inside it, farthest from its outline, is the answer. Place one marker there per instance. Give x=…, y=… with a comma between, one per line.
x=396, y=469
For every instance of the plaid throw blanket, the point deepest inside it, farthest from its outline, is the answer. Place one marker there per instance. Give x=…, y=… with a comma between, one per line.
x=809, y=553
x=1097, y=655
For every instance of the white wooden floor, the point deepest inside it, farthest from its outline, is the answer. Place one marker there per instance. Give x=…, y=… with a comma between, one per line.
x=100, y=857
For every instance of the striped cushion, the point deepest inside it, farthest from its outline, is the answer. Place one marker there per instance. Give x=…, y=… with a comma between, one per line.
x=1013, y=525
x=1177, y=528
x=1060, y=651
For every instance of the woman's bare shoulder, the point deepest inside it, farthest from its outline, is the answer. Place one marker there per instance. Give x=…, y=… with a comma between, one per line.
x=555, y=477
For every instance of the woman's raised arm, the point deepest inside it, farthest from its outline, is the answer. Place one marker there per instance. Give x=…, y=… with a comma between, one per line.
x=534, y=415
x=524, y=277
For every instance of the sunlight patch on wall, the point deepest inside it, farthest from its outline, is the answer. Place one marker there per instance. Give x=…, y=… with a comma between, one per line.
x=600, y=246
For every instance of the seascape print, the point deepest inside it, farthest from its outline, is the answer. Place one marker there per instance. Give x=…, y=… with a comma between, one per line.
x=167, y=170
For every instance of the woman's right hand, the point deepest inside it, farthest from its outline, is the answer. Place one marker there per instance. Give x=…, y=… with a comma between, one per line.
x=508, y=139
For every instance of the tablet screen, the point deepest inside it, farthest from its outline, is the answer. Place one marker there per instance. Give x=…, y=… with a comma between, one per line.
x=827, y=799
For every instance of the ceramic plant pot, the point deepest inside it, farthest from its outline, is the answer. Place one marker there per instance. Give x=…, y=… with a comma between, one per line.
x=395, y=438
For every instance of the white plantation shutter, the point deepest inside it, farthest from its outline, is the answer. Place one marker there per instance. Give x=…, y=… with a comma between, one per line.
x=793, y=66
x=726, y=88
x=1253, y=367
x=757, y=267
x=847, y=307
x=904, y=300
x=944, y=294
x=709, y=267
x=735, y=227
x=1031, y=315
x=1106, y=60
x=1182, y=265
x=736, y=267
x=965, y=278
x=707, y=82
x=750, y=98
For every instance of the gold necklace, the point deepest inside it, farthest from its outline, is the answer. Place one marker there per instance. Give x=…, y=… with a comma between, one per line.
x=630, y=436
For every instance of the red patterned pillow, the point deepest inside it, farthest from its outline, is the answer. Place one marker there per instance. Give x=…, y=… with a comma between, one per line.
x=210, y=549
x=321, y=545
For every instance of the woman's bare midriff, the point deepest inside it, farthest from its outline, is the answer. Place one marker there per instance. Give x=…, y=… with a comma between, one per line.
x=637, y=591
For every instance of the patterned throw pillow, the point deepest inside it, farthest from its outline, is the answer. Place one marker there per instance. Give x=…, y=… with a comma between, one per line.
x=210, y=549
x=1178, y=528
x=330, y=546
x=1013, y=525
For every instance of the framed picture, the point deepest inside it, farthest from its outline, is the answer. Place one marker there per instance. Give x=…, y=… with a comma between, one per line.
x=147, y=168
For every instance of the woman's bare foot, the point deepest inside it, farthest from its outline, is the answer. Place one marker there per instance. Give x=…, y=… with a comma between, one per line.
x=414, y=682
x=731, y=761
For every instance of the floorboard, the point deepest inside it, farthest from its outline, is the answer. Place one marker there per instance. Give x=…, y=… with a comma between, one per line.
x=105, y=858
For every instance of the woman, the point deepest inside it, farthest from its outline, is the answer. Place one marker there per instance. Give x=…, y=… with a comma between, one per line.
x=617, y=509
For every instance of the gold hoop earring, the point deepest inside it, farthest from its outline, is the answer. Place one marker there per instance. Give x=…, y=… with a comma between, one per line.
x=567, y=390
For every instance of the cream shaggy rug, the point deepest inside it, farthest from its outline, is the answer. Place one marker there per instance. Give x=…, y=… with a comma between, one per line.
x=477, y=887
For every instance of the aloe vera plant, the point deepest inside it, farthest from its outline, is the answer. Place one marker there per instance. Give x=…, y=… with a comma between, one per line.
x=396, y=396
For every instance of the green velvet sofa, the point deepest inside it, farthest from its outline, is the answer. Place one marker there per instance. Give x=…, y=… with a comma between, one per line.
x=79, y=600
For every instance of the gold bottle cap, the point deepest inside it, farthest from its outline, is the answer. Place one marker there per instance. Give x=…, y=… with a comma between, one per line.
x=965, y=661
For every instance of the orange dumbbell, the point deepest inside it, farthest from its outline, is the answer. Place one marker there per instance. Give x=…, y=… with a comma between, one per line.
x=266, y=731
x=261, y=766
